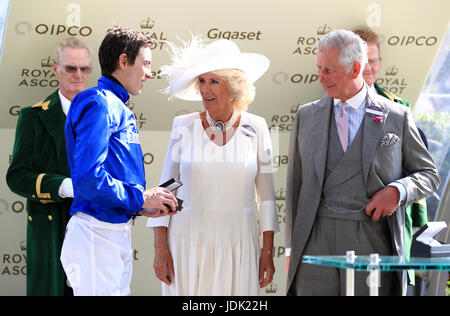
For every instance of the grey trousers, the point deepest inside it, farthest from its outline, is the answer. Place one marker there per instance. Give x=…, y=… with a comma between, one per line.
x=335, y=235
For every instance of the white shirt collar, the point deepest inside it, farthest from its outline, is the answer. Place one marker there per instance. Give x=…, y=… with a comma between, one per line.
x=65, y=103
x=357, y=100
x=372, y=88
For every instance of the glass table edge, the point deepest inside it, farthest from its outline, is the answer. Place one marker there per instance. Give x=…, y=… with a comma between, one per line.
x=386, y=263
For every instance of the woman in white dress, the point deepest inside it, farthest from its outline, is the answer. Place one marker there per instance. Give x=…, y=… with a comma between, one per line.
x=223, y=157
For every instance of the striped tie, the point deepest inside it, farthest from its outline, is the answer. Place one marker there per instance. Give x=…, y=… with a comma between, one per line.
x=342, y=125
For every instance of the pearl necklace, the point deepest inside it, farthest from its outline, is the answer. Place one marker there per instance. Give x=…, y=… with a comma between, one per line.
x=219, y=126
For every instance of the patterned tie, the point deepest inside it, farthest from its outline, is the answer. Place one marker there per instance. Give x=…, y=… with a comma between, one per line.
x=342, y=125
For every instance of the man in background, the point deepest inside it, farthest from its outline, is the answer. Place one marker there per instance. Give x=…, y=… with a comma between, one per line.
x=39, y=170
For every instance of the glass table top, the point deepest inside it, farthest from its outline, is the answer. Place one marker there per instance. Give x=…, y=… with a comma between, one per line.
x=386, y=263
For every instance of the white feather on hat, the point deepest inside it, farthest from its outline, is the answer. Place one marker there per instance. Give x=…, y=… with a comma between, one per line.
x=183, y=58
x=194, y=58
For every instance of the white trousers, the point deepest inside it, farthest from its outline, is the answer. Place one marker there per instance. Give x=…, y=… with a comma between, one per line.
x=97, y=256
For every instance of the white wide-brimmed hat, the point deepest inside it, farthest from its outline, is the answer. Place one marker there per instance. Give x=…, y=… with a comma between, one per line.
x=194, y=59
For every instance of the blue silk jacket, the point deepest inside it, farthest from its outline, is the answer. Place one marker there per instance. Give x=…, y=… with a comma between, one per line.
x=105, y=156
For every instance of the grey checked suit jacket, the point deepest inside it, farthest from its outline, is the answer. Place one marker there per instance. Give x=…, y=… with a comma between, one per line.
x=405, y=160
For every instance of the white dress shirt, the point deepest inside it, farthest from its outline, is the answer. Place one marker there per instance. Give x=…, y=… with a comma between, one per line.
x=65, y=103
x=356, y=107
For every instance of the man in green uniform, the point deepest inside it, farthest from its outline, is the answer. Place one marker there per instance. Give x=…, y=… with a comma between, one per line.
x=39, y=170
x=416, y=213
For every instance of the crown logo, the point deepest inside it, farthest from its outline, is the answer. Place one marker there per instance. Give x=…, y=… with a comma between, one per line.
x=323, y=30
x=23, y=245
x=392, y=71
x=147, y=24
x=47, y=62
x=272, y=288
x=280, y=195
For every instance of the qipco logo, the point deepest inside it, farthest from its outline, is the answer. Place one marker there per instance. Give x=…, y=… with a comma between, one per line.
x=411, y=40
x=54, y=29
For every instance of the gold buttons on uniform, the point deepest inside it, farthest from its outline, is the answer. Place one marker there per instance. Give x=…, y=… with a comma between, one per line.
x=50, y=218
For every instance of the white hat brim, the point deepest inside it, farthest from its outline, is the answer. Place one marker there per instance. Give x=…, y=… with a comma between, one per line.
x=254, y=66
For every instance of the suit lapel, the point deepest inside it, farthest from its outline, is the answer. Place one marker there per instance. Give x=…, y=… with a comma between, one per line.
x=319, y=136
x=372, y=134
x=54, y=121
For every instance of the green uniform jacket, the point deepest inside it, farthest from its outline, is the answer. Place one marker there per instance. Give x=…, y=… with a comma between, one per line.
x=416, y=213
x=38, y=166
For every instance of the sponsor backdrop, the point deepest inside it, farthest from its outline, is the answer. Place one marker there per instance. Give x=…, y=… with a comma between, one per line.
x=286, y=31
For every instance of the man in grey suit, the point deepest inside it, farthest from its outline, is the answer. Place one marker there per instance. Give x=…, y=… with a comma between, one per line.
x=355, y=160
